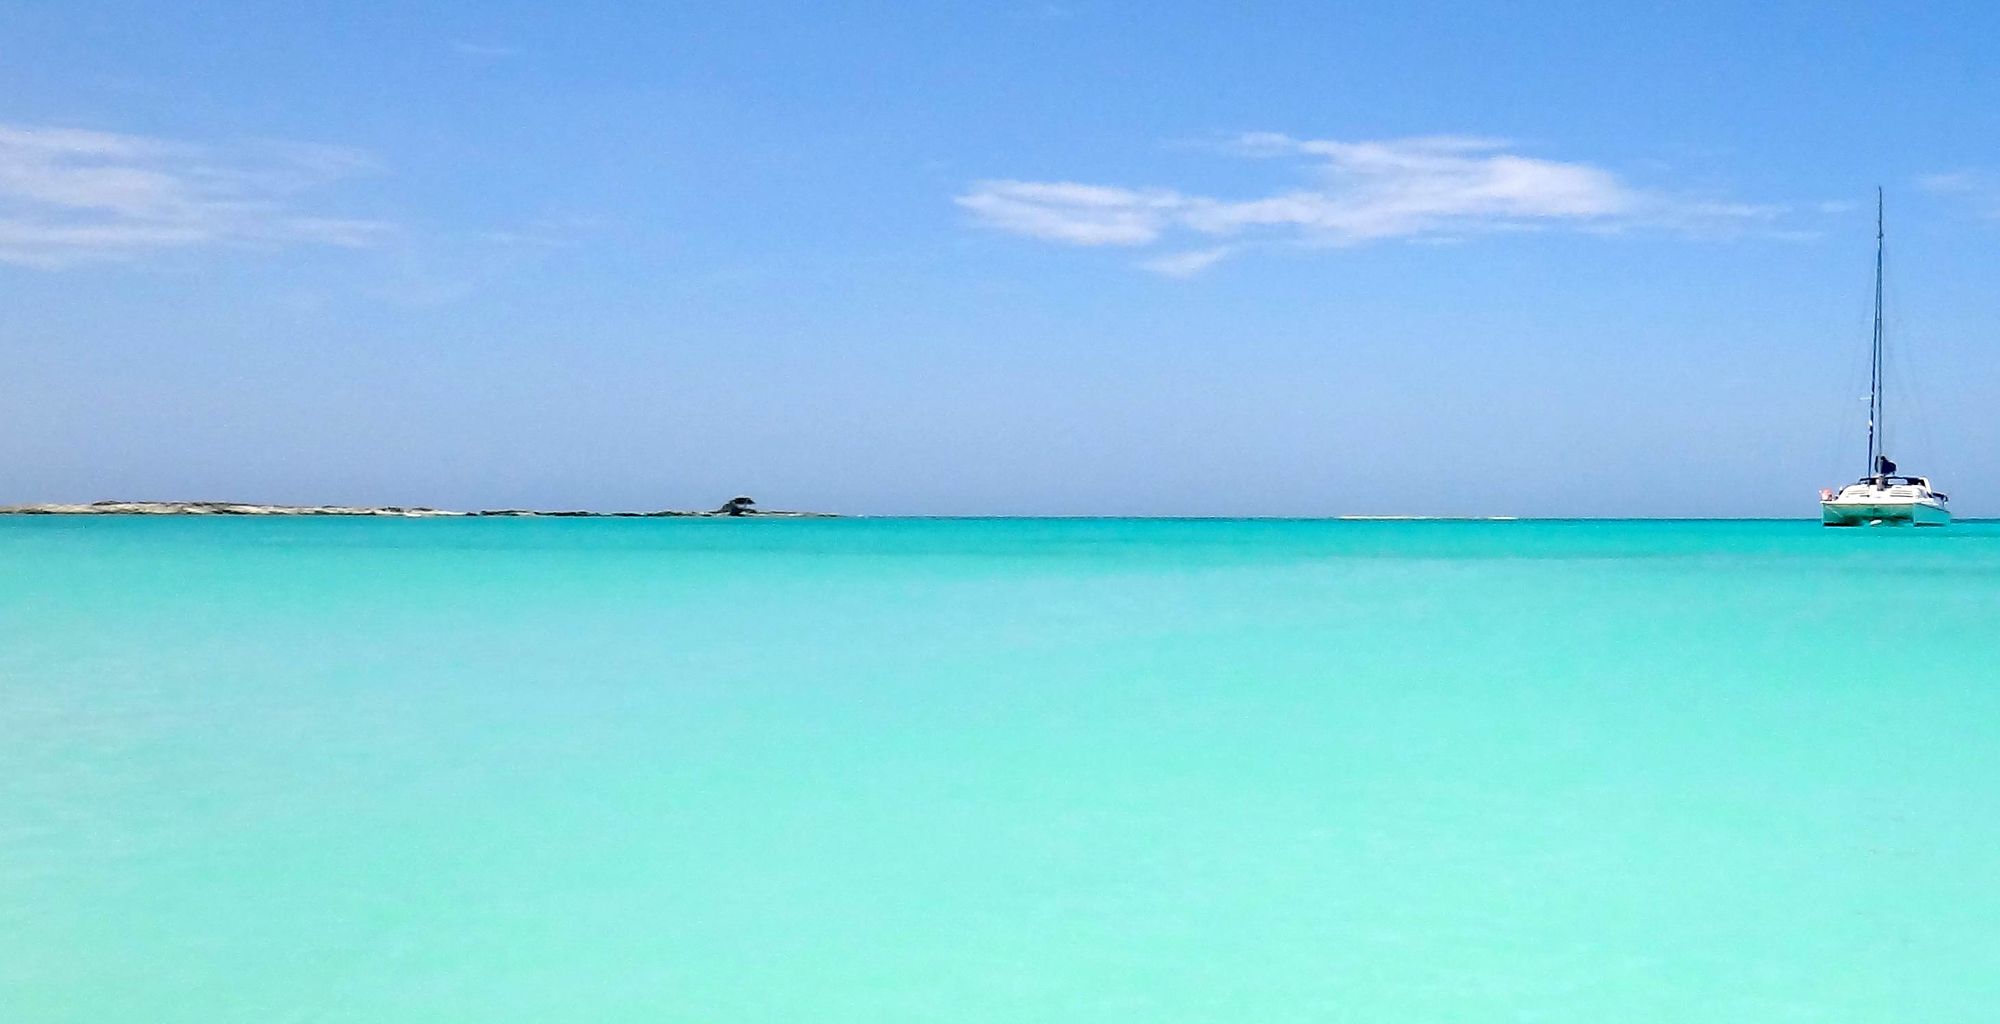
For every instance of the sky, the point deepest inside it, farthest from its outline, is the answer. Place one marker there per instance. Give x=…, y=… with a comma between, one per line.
x=1039, y=258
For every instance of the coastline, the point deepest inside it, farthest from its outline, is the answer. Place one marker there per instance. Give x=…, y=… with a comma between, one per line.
x=231, y=508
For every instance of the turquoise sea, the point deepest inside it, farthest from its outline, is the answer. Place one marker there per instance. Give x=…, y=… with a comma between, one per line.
x=881, y=771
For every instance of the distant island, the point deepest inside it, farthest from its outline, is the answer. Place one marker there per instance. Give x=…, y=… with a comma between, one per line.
x=733, y=508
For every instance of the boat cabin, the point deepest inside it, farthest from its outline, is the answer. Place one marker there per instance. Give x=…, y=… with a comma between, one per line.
x=1894, y=487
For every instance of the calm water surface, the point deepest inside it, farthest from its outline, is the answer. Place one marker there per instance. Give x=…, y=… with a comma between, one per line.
x=1023, y=771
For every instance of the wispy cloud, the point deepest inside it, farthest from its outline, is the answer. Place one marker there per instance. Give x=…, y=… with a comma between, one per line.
x=1063, y=211
x=1978, y=189
x=547, y=232
x=70, y=196
x=491, y=51
x=1422, y=189
x=1047, y=11
x=1187, y=263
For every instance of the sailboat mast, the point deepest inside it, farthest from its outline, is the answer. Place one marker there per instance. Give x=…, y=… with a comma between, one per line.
x=1875, y=362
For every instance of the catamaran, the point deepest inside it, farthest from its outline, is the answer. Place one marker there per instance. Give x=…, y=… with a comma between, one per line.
x=1882, y=498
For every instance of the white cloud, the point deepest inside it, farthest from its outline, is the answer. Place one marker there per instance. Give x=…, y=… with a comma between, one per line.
x=1981, y=191
x=550, y=232
x=1188, y=263
x=1424, y=188
x=493, y=51
x=1078, y=214
x=71, y=196
x=1948, y=182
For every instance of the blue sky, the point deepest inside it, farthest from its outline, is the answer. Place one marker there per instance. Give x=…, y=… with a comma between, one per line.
x=1033, y=258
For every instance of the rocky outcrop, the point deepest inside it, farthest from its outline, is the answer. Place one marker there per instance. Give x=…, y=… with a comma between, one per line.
x=735, y=507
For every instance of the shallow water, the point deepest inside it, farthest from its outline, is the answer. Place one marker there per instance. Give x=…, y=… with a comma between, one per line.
x=378, y=771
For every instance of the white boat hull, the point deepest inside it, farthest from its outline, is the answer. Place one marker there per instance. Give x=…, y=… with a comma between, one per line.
x=1883, y=513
